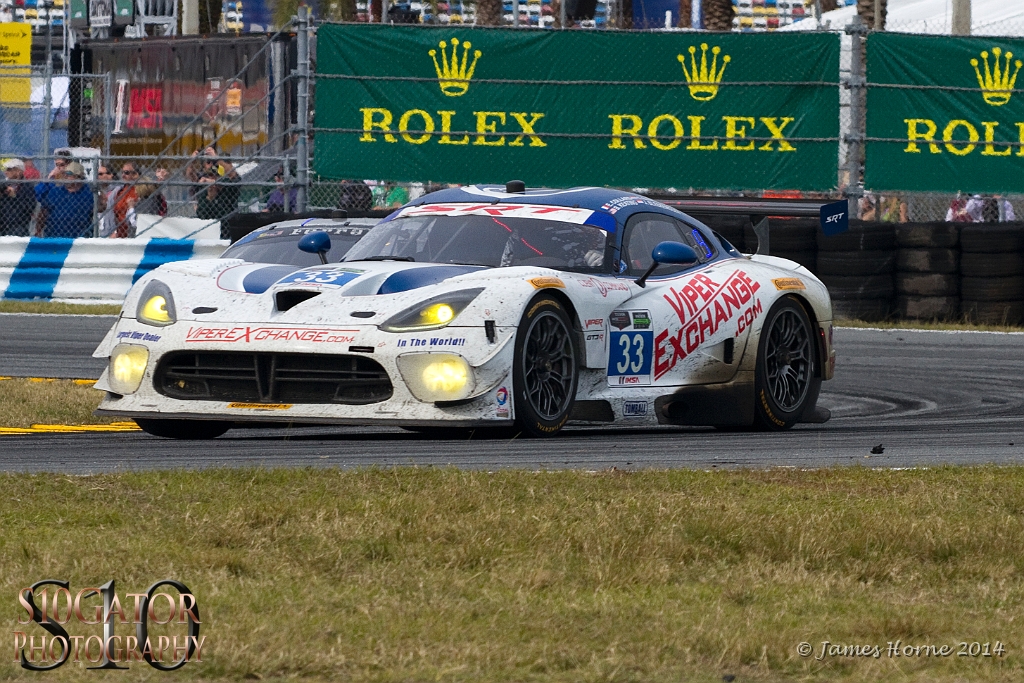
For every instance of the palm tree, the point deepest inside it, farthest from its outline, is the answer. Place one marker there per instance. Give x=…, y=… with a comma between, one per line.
x=718, y=15
x=489, y=12
x=866, y=12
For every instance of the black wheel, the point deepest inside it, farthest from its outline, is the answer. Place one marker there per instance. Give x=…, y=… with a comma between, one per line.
x=545, y=367
x=193, y=430
x=784, y=381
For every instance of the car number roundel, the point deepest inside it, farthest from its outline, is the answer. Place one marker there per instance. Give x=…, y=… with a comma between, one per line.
x=630, y=349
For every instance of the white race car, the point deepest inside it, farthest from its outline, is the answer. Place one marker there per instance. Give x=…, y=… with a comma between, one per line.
x=481, y=306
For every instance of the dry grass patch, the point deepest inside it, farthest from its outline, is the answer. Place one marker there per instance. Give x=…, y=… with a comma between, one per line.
x=15, y=306
x=25, y=402
x=415, y=575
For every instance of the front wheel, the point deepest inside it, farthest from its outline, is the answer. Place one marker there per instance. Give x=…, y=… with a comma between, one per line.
x=784, y=380
x=545, y=371
x=192, y=430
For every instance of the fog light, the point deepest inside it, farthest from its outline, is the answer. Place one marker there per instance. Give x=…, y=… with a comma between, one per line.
x=127, y=366
x=436, y=376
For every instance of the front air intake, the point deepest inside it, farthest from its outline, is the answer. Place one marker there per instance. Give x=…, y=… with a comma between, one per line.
x=272, y=378
x=289, y=298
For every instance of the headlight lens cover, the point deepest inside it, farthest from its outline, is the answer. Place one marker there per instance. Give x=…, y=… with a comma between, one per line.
x=431, y=314
x=436, y=376
x=156, y=306
x=127, y=367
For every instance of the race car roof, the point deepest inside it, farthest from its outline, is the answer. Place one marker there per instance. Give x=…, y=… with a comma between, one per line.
x=617, y=203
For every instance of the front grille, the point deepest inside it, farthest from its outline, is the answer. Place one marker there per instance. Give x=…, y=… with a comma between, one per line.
x=272, y=378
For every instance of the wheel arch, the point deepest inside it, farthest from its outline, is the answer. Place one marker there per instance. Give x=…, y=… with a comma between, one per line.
x=819, y=342
x=570, y=308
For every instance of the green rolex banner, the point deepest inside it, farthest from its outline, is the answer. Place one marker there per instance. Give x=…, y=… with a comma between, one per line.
x=961, y=124
x=563, y=108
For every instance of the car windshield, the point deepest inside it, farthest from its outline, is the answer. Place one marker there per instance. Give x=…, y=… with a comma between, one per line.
x=280, y=245
x=496, y=241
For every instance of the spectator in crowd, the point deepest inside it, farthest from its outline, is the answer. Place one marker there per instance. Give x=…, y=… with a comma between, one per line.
x=397, y=196
x=125, y=198
x=957, y=212
x=993, y=209
x=65, y=207
x=17, y=200
x=147, y=200
x=220, y=192
x=31, y=172
x=355, y=195
x=275, y=202
x=894, y=210
x=106, y=190
x=59, y=164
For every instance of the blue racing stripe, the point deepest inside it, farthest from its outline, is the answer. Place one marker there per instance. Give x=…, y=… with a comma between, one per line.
x=36, y=273
x=161, y=250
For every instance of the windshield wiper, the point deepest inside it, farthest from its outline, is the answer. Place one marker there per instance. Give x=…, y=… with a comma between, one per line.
x=388, y=258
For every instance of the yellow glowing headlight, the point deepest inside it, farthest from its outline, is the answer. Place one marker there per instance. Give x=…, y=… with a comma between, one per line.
x=434, y=377
x=155, y=310
x=437, y=314
x=156, y=305
x=127, y=367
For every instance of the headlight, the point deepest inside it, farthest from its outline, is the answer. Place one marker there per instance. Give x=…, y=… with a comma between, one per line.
x=156, y=307
x=436, y=376
x=127, y=366
x=432, y=313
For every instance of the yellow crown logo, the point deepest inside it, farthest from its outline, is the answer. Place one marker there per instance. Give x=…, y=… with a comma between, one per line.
x=454, y=77
x=704, y=82
x=997, y=83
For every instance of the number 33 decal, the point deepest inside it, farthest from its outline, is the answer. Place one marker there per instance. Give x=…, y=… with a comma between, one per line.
x=631, y=363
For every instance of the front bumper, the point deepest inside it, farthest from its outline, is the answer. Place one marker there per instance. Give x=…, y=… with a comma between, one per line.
x=489, y=365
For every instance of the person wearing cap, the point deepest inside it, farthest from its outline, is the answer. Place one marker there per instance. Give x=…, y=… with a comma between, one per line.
x=66, y=205
x=17, y=200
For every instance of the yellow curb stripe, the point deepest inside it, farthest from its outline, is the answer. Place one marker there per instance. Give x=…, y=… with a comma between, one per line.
x=83, y=382
x=71, y=429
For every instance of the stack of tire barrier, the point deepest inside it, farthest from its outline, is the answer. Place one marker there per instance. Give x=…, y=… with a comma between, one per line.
x=857, y=266
x=927, y=271
x=992, y=269
x=790, y=238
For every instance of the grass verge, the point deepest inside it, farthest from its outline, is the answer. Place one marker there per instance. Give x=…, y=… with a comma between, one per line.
x=24, y=402
x=14, y=306
x=414, y=575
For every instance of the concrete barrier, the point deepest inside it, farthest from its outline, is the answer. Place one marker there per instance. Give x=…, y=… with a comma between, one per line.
x=96, y=270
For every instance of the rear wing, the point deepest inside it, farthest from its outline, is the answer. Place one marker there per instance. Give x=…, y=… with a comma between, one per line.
x=834, y=216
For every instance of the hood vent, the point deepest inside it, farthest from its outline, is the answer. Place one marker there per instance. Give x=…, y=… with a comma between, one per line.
x=291, y=298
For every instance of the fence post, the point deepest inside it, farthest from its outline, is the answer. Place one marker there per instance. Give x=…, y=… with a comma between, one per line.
x=855, y=135
x=302, y=100
x=108, y=113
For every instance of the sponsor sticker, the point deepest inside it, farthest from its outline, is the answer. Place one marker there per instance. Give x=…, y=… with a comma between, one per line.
x=603, y=285
x=248, y=334
x=595, y=322
x=325, y=277
x=634, y=409
x=141, y=336
x=788, y=283
x=564, y=214
x=502, y=396
x=260, y=406
x=542, y=282
x=631, y=349
x=431, y=341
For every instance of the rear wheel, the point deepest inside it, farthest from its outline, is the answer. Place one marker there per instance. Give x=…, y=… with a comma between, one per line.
x=784, y=381
x=193, y=430
x=545, y=370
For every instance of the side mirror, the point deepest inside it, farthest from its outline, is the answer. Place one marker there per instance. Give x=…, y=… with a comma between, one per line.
x=673, y=253
x=319, y=243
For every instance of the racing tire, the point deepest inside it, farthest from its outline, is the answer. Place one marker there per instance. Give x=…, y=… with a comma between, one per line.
x=993, y=288
x=867, y=310
x=545, y=371
x=848, y=263
x=186, y=430
x=927, y=307
x=846, y=287
x=921, y=284
x=927, y=235
x=860, y=237
x=934, y=261
x=985, y=238
x=784, y=378
x=991, y=265
x=993, y=312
